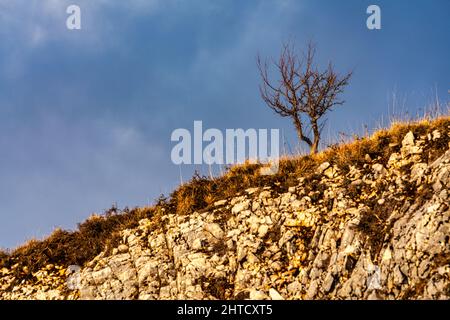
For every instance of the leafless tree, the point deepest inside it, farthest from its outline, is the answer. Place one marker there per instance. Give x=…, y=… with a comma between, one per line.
x=302, y=92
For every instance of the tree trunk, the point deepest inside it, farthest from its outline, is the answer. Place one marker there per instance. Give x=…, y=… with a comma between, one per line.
x=315, y=145
x=316, y=132
x=299, y=129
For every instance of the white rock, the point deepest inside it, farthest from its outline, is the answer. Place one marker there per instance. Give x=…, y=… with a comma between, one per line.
x=436, y=135
x=294, y=287
x=418, y=170
x=215, y=230
x=251, y=190
x=197, y=244
x=240, y=206
x=253, y=223
x=379, y=169
x=237, y=199
x=241, y=254
x=408, y=140
x=122, y=248
x=265, y=194
x=276, y=265
x=274, y=295
x=330, y=172
x=257, y=295
x=387, y=255
x=323, y=167
x=251, y=258
x=220, y=203
x=262, y=230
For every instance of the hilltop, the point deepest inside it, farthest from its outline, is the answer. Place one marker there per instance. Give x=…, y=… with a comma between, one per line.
x=367, y=219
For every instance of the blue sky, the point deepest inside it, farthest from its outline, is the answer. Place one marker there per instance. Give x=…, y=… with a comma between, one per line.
x=86, y=115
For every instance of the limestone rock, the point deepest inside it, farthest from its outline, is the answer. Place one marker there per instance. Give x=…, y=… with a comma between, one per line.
x=375, y=231
x=274, y=295
x=323, y=167
x=215, y=230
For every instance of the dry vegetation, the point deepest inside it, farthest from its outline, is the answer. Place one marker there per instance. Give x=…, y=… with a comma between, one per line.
x=66, y=248
x=101, y=233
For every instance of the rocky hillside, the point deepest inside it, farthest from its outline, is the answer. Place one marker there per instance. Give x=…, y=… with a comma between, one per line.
x=377, y=227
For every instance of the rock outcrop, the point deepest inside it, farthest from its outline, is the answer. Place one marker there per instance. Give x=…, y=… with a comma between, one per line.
x=378, y=231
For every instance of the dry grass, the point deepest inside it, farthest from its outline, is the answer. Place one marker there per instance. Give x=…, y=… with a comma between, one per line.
x=3, y=255
x=101, y=233
x=63, y=247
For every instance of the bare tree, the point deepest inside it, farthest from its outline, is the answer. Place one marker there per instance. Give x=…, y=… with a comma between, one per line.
x=302, y=92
